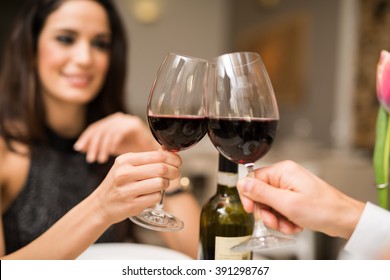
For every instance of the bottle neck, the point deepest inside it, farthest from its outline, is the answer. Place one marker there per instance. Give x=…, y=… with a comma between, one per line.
x=227, y=182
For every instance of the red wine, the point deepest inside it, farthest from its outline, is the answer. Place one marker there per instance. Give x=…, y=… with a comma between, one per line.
x=242, y=140
x=176, y=133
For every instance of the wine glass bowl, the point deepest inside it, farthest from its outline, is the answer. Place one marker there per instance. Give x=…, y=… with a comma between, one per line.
x=175, y=104
x=242, y=112
x=242, y=140
x=177, y=133
x=175, y=114
x=242, y=117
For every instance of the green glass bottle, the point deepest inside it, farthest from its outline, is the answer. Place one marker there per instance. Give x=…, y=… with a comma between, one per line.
x=223, y=222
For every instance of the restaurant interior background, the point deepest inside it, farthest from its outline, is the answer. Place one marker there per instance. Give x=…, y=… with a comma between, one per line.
x=321, y=56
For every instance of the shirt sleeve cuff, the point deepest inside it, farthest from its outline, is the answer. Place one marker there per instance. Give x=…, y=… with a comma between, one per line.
x=372, y=233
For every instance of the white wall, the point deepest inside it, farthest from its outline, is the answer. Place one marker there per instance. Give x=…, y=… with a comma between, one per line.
x=192, y=27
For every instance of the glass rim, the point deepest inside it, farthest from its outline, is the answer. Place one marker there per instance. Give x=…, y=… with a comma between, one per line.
x=185, y=56
x=256, y=57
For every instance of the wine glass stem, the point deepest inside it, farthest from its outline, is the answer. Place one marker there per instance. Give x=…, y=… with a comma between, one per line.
x=159, y=206
x=259, y=227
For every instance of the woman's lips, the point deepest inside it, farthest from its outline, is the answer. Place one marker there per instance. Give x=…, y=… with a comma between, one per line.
x=78, y=80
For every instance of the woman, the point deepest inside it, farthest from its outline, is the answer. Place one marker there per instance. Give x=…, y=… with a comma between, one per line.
x=62, y=119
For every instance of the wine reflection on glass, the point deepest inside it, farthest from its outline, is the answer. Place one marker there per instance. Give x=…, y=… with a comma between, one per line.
x=175, y=113
x=242, y=117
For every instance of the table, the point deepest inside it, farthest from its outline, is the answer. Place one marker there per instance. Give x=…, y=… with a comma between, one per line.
x=130, y=251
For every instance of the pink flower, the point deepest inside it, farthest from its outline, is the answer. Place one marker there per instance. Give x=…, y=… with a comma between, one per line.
x=383, y=80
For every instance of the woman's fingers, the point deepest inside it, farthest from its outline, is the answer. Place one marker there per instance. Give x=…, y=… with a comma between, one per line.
x=140, y=168
x=135, y=181
x=144, y=187
x=138, y=159
x=116, y=134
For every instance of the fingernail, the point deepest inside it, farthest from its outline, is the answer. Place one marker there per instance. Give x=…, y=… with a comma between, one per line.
x=91, y=158
x=77, y=146
x=102, y=159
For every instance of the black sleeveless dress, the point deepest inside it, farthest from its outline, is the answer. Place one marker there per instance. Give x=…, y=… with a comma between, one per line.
x=58, y=179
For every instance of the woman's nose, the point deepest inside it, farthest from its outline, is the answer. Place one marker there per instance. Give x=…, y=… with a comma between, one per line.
x=83, y=53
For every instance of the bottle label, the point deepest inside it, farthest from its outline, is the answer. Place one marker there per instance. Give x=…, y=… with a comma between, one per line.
x=223, y=245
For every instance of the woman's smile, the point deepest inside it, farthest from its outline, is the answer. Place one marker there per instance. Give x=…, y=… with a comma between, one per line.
x=78, y=80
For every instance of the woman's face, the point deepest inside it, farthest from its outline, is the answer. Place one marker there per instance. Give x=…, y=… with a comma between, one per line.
x=73, y=52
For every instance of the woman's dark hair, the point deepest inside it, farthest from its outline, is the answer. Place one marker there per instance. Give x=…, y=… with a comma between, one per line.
x=22, y=114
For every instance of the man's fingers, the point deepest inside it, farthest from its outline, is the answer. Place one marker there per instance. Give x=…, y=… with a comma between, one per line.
x=260, y=191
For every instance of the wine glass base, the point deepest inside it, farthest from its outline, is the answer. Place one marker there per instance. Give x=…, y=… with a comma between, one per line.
x=263, y=242
x=158, y=220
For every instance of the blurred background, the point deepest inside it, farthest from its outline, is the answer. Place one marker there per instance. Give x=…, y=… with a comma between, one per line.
x=321, y=56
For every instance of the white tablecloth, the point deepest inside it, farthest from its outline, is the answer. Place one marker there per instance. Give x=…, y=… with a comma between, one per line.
x=130, y=251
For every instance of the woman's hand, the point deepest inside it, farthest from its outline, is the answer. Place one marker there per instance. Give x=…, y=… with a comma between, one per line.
x=135, y=182
x=296, y=198
x=114, y=135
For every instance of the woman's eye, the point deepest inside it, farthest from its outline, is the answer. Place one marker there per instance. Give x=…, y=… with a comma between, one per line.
x=64, y=39
x=101, y=44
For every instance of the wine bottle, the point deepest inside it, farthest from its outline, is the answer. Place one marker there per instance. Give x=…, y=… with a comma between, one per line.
x=224, y=223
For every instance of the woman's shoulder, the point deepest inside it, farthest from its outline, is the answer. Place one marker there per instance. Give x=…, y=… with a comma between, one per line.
x=13, y=148
x=14, y=168
x=4, y=155
x=10, y=159
x=4, y=151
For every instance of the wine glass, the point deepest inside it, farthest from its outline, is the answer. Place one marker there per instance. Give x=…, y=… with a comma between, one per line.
x=242, y=117
x=175, y=113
